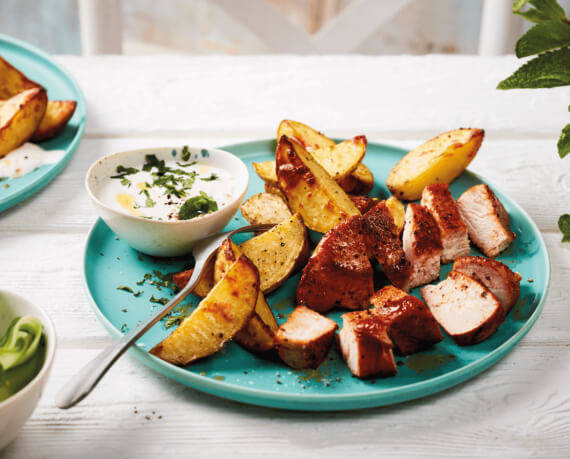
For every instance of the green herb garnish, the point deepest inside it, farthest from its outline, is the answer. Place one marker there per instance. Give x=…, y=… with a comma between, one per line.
x=125, y=288
x=185, y=153
x=126, y=182
x=211, y=178
x=123, y=171
x=197, y=205
x=186, y=165
x=161, y=300
x=173, y=321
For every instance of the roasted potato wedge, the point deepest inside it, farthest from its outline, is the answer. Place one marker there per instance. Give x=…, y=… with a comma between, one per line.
x=205, y=284
x=266, y=171
x=279, y=252
x=359, y=182
x=397, y=210
x=257, y=335
x=20, y=116
x=216, y=320
x=439, y=160
x=58, y=113
x=339, y=160
x=12, y=81
x=310, y=191
x=265, y=208
x=274, y=189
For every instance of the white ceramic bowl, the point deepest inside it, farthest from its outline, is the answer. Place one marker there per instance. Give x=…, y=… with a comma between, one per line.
x=165, y=238
x=15, y=410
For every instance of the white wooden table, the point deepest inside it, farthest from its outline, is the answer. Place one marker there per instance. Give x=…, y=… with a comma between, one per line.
x=520, y=407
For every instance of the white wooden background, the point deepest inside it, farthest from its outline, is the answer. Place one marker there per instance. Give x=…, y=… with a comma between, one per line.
x=519, y=408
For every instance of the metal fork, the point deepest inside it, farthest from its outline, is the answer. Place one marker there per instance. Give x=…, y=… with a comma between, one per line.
x=80, y=385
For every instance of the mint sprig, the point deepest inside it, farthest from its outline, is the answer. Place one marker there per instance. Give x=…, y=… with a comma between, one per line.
x=564, y=226
x=546, y=36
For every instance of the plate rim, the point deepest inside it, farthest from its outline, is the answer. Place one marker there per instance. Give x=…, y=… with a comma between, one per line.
x=329, y=402
x=43, y=180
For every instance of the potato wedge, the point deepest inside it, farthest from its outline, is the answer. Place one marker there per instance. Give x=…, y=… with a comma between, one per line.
x=266, y=171
x=58, y=113
x=359, y=182
x=274, y=189
x=216, y=320
x=20, y=116
x=265, y=208
x=12, y=81
x=397, y=210
x=279, y=252
x=339, y=160
x=439, y=160
x=309, y=189
x=205, y=284
x=257, y=335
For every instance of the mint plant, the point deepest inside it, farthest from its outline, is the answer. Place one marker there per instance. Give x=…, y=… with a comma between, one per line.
x=549, y=40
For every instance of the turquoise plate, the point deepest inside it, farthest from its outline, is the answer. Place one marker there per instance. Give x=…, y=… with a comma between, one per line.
x=236, y=374
x=41, y=67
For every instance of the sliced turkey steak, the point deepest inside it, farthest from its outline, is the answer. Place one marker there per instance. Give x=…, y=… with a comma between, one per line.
x=465, y=308
x=365, y=345
x=496, y=276
x=455, y=240
x=487, y=220
x=422, y=245
x=411, y=325
x=305, y=339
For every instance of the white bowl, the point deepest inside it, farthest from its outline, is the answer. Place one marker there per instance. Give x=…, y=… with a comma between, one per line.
x=15, y=410
x=165, y=238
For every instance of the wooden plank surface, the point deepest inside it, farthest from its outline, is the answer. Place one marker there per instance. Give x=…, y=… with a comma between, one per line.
x=519, y=408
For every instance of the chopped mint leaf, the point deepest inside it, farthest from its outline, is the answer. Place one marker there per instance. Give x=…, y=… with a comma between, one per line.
x=211, y=178
x=543, y=37
x=126, y=182
x=149, y=202
x=123, y=171
x=548, y=70
x=564, y=142
x=564, y=226
x=161, y=300
x=173, y=321
x=125, y=288
x=186, y=165
x=185, y=153
x=197, y=205
x=187, y=183
x=152, y=161
x=544, y=10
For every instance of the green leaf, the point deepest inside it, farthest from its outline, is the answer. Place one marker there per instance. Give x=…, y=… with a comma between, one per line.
x=197, y=205
x=564, y=226
x=548, y=70
x=185, y=153
x=564, y=142
x=544, y=10
x=543, y=37
x=211, y=178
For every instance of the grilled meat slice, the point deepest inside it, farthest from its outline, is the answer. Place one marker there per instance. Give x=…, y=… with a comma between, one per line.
x=383, y=241
x=487, y=220
x=305, y=339
x=422, y=245
x=365, y=345
x=364, y=203
x=339, y=272
x=455, y=240
x=465, y=308
x=496, y=276
x=411, y=325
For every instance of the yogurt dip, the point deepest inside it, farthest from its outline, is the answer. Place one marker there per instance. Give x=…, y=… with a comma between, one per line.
x=27, y=158
x=171, y=190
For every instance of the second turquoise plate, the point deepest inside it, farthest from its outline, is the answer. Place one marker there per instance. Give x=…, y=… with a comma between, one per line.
x=235, y=374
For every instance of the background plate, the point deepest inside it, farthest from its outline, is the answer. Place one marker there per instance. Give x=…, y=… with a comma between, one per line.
x=238, y=375
x=41, y=67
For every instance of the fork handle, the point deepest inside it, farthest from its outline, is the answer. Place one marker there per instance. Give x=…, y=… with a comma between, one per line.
x=84, y=381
